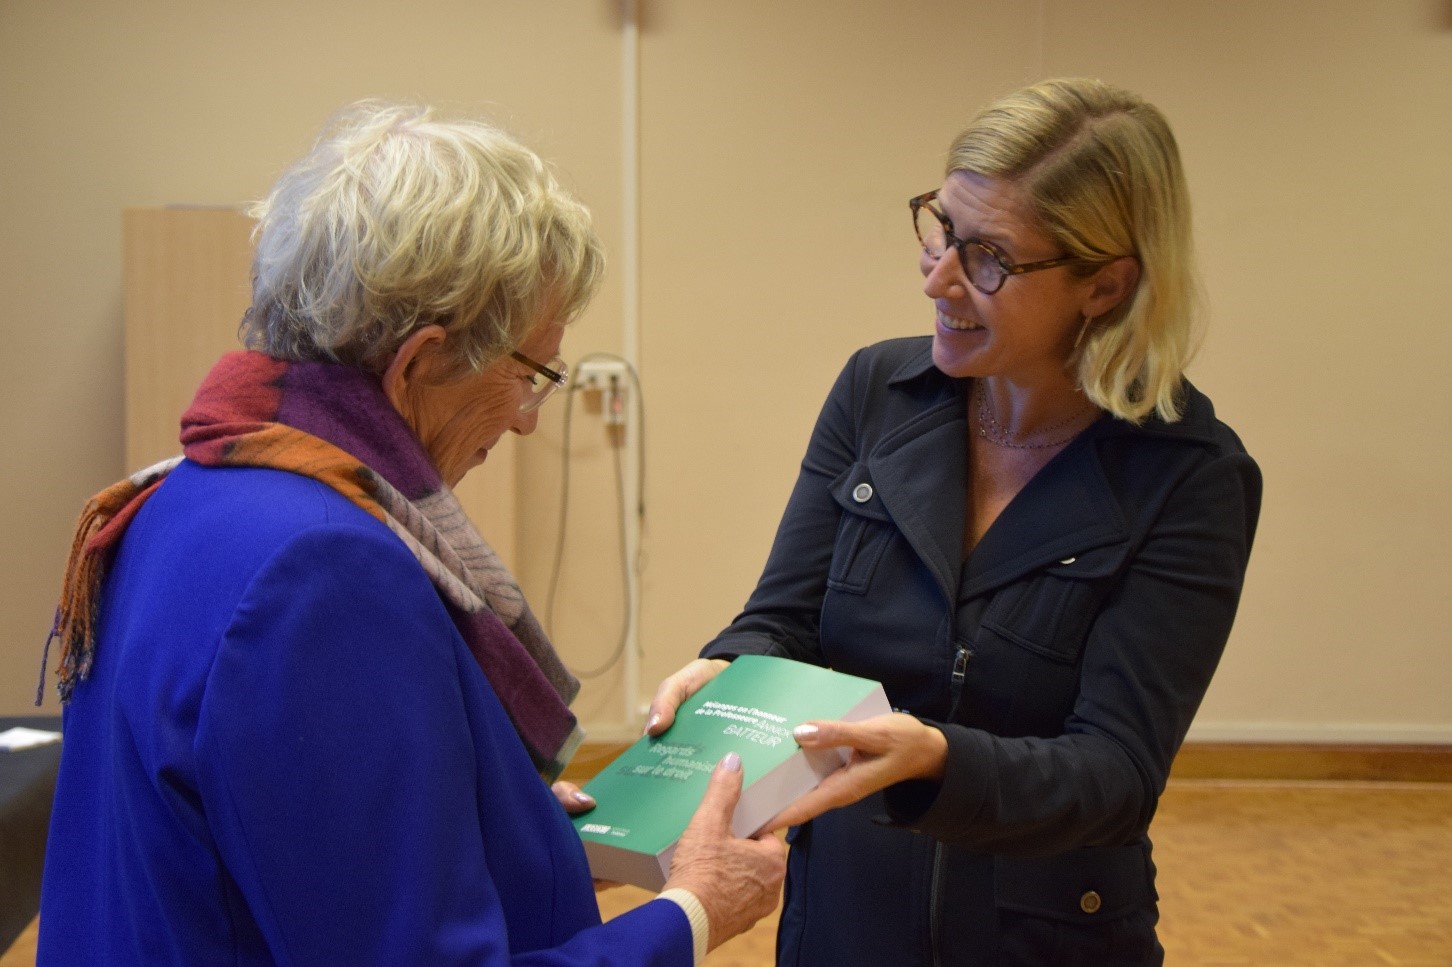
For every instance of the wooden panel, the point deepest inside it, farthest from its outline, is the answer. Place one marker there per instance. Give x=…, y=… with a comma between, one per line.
x=187, y=283
x=186, y=275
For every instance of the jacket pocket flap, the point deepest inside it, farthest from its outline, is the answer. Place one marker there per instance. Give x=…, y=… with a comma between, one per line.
x=1082, y=886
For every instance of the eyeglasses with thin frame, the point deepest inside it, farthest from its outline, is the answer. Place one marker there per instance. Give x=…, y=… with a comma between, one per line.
x=555, y=374
x=984, y=264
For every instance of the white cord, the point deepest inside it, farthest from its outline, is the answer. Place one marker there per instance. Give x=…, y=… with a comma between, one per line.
x=630, y=335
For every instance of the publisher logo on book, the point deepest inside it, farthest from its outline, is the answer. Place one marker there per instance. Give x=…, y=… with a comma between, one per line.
x=600, y=829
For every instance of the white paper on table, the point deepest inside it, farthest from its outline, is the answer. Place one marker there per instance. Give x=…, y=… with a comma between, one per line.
x=20, y=737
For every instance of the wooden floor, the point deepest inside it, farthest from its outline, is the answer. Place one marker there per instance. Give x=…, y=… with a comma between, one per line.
x=1281, y=874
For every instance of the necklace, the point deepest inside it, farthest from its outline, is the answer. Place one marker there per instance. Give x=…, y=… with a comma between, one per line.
x=990, y=429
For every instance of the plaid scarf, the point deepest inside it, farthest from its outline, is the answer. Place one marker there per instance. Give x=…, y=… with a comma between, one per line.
x=334, y=424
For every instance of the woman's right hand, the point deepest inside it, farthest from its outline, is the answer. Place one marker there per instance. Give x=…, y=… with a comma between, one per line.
x=738, y=880
x=676, y=689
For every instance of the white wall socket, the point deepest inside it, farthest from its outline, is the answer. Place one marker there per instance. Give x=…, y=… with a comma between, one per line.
x=600, y=375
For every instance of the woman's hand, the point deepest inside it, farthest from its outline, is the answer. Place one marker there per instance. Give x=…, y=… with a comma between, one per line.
x=738, y=880
x=576, y=801
x=886, y=749
x=676, y=689
x=573, y=798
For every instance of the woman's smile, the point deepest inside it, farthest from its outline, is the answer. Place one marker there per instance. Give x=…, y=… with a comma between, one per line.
x=955, y=324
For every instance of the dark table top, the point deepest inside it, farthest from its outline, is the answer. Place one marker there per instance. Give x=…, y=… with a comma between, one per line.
x=27, y=785
x=22, y=768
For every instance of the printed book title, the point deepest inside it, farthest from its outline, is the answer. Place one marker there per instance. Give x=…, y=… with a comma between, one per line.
x=681, y=762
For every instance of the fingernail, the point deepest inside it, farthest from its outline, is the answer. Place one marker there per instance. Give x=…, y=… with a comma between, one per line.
x=732, y=762
x=651, y=723
x=804, y=732
x=583, y=798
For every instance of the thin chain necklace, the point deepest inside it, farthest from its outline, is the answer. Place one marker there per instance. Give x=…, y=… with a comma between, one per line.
x=990, y=429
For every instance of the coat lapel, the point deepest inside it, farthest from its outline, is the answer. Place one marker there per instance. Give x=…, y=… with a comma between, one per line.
x=920, y=467
x=1069, y=509
x=1064, y=511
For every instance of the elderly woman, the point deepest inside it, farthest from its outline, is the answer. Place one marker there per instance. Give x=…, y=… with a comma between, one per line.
x=1033, y=530
x=307, y=709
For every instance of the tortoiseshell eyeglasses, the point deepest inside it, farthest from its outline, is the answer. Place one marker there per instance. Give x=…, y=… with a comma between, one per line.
x=984, y=263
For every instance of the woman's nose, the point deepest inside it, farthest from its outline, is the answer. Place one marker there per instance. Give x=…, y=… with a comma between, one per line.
x=943, y=276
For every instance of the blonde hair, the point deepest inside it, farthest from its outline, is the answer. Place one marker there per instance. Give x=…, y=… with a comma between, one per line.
x=1101, y=170
x=395, y=220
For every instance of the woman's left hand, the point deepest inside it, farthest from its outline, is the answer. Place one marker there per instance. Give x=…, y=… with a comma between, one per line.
x=886, y=750
x=574, y=799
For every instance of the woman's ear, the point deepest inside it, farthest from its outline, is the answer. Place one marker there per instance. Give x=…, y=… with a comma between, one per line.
x=412, y=363
x=1111, y=286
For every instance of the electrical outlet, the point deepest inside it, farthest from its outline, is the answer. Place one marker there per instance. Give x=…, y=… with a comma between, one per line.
x=601, y=375
x=606, y=381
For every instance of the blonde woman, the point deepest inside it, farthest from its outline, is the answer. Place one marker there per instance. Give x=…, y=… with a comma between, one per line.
x=309, y=718
x=1033, y=531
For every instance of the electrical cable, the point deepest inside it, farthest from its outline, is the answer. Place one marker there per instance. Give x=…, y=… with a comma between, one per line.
x=622, y=515
x=619, y=651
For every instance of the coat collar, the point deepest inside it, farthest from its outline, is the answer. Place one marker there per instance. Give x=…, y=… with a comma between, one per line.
x=1067, y=515
x=1196, y=423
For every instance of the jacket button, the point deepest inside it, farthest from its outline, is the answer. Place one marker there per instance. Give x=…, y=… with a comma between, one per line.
x=1090, y=902
x=862, y=493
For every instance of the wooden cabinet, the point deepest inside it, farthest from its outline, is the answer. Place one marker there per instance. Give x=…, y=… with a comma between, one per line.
x=186, y=275
x=186, y=278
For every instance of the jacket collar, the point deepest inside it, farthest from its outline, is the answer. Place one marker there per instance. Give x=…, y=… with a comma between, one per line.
x=1067, y=511
x=1196, y=423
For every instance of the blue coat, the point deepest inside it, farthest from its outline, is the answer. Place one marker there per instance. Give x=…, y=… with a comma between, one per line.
x=1063, y=660
x=285, y=754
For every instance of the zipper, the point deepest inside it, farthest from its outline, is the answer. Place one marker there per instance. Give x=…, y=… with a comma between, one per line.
x=960, y=671
x=955, y=684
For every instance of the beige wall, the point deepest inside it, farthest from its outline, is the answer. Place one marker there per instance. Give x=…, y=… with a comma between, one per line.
x=778, y=145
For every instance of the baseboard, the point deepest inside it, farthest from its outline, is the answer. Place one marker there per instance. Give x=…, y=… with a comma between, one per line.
x=1368, y=762
x=1311, y=761
x=1301, y=733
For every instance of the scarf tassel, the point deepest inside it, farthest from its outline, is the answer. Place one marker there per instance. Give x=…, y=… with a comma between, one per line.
x=102, y=522
x=341, y=430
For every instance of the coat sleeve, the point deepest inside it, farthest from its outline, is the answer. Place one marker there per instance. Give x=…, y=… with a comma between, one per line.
x=1147, y=661
x=783, y=614
x=341, y=783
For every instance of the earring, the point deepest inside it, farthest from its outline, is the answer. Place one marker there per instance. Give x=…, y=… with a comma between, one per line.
x=1088, y=320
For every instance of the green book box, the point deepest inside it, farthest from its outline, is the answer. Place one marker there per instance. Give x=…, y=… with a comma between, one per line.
x=650, y=792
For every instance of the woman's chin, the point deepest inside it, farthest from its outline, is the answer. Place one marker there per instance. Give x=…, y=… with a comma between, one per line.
x=955, y=353
x=454, y=472
x=476, y=461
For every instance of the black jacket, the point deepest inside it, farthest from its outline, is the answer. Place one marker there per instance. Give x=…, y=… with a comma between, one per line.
x=1063, y=660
